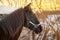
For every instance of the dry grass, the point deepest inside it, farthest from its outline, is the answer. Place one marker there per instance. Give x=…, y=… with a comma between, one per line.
x=51, y=31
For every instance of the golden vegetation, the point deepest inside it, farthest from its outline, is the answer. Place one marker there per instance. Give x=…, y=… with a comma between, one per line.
x=36, y=4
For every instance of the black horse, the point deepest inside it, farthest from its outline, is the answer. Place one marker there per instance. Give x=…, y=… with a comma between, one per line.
x=11, y=25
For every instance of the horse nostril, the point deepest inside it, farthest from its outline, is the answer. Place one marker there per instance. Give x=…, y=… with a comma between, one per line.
x=38, y=29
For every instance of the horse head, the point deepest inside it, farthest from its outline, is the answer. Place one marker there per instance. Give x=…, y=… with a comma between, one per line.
x=31, y=21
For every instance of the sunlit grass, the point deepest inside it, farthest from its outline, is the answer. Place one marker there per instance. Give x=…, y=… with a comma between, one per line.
x=36, y=4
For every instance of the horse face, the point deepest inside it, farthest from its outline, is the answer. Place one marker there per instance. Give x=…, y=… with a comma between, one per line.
x=31, y=21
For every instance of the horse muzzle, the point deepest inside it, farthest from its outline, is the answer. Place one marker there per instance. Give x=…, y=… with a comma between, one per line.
x=38, y=29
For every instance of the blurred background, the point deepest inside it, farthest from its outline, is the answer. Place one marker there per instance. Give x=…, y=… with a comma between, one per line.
x=47, y=13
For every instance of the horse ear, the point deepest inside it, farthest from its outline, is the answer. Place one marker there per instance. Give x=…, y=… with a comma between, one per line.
x=28, y=7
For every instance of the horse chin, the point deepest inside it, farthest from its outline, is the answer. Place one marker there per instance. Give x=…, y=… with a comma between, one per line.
x=38, y=29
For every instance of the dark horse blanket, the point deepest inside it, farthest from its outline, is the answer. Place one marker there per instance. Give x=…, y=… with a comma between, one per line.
x=12, y=24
